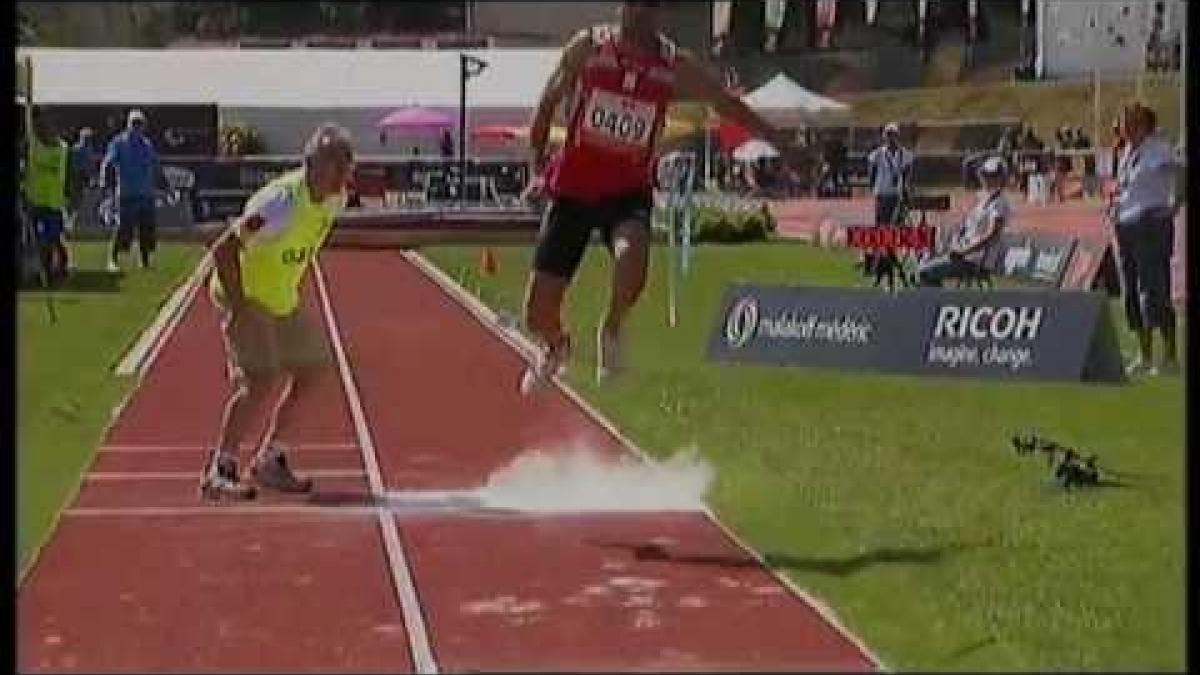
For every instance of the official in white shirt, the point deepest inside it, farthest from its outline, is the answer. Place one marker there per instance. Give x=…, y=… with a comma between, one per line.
x=1143, y=213
x=889, y=168
x=980, y=228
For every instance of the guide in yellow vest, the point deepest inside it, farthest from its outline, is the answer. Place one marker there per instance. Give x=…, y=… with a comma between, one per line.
x=274, y=351
x=45, y=193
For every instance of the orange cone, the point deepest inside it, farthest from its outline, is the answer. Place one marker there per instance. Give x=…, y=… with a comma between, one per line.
x=487, y=262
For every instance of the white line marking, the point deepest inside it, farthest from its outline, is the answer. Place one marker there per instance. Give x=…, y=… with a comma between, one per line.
x=220, y=510
x=102, y=476
x=525, y=347
x=200, y=447
x=143, y=353
x=406, y=590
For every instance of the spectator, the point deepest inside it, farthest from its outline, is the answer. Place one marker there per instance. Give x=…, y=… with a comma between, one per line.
x=970, y=168
x=1029, y=160
x=45, y=195
x=84, y=167
x=1090, y=178
x=132, y=164
x=1118, y=146
x=447, y=145
x=1143, y=213
x=837, y=163
x=980, y=228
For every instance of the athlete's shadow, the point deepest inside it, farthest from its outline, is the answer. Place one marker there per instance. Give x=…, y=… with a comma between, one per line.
x=836, y=566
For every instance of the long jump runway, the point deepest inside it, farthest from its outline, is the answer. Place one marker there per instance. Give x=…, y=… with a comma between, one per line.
x=139, y=575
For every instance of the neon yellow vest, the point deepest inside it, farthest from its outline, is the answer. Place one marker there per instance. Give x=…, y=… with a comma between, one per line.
x=46, y=175
x=272, y=267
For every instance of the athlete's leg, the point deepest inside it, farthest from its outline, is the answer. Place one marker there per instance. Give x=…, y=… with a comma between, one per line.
x=253, y=362
x=544, y=295
x=629, y=241
x=305, y=356
x=562, y=241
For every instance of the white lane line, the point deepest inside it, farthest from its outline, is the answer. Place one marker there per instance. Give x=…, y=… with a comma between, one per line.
x=102, y=476
x=143, y=353
x=406, y=590
x=525, y=347
x=200, y=447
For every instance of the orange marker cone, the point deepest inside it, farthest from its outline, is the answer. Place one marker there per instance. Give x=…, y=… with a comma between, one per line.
x=487, y=262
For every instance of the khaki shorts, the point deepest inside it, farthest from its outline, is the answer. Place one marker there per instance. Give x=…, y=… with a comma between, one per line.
x=297, y=345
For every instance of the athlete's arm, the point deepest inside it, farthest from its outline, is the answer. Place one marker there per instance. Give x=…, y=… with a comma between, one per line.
x=561, y=81
x=266, y=215
x=696, y=82
x=225, y=257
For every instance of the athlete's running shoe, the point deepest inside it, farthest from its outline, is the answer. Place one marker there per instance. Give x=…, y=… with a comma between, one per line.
x=221, y=482
x=271, y=471
x=551, y=362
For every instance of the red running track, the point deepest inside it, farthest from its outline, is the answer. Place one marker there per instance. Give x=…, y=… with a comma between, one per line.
x=140, y=576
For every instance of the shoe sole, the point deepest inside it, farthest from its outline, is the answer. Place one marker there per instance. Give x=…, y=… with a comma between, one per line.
x=213, y=494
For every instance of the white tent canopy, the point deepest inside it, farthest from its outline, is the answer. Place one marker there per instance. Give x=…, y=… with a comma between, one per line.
x=288, y=78
x=782, y=96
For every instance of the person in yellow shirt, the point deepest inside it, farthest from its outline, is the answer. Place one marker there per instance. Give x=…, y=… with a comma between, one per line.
x=273, y=349
x=45, y=193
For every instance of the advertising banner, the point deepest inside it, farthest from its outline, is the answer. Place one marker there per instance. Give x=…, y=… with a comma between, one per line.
x=1010, y=334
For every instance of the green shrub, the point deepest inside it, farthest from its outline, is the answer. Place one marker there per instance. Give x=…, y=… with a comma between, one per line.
x=712, y=224
x=236, y=140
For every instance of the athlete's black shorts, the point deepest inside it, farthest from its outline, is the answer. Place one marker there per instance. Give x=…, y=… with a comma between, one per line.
x=567, y=227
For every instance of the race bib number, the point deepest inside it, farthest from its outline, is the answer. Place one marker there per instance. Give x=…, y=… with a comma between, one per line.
x=612, y=119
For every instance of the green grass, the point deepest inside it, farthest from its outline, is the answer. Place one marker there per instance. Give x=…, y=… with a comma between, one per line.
x=66, y=389
x=897, y=499
x=1044, y=105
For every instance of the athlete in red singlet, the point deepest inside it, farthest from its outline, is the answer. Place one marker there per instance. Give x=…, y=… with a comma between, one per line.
x=621, y=79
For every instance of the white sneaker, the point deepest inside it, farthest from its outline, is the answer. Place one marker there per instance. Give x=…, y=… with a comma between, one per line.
x=113, y=267
x=551, y=362
x=608, y=355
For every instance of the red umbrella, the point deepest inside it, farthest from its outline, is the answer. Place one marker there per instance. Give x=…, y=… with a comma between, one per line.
x=730, y=135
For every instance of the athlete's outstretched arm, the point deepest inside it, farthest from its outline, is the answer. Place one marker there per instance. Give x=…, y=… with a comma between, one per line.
x=696, y=82
x=561, y=81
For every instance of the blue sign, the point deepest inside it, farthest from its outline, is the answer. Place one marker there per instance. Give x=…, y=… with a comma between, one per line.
x=1010, y=334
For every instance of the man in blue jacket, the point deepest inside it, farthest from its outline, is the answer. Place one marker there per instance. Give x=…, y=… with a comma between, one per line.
x=133, y=162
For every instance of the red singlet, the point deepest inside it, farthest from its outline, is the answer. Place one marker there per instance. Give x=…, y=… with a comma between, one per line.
x=616, y=114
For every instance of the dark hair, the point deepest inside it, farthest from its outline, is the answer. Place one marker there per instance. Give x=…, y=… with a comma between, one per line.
x=329, y=139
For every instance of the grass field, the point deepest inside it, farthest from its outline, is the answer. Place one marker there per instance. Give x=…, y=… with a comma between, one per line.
x=66, y=389
x=898, y=499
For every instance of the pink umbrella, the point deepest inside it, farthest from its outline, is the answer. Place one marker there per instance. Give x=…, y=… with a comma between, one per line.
x=416, y=118
x=496, y=132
